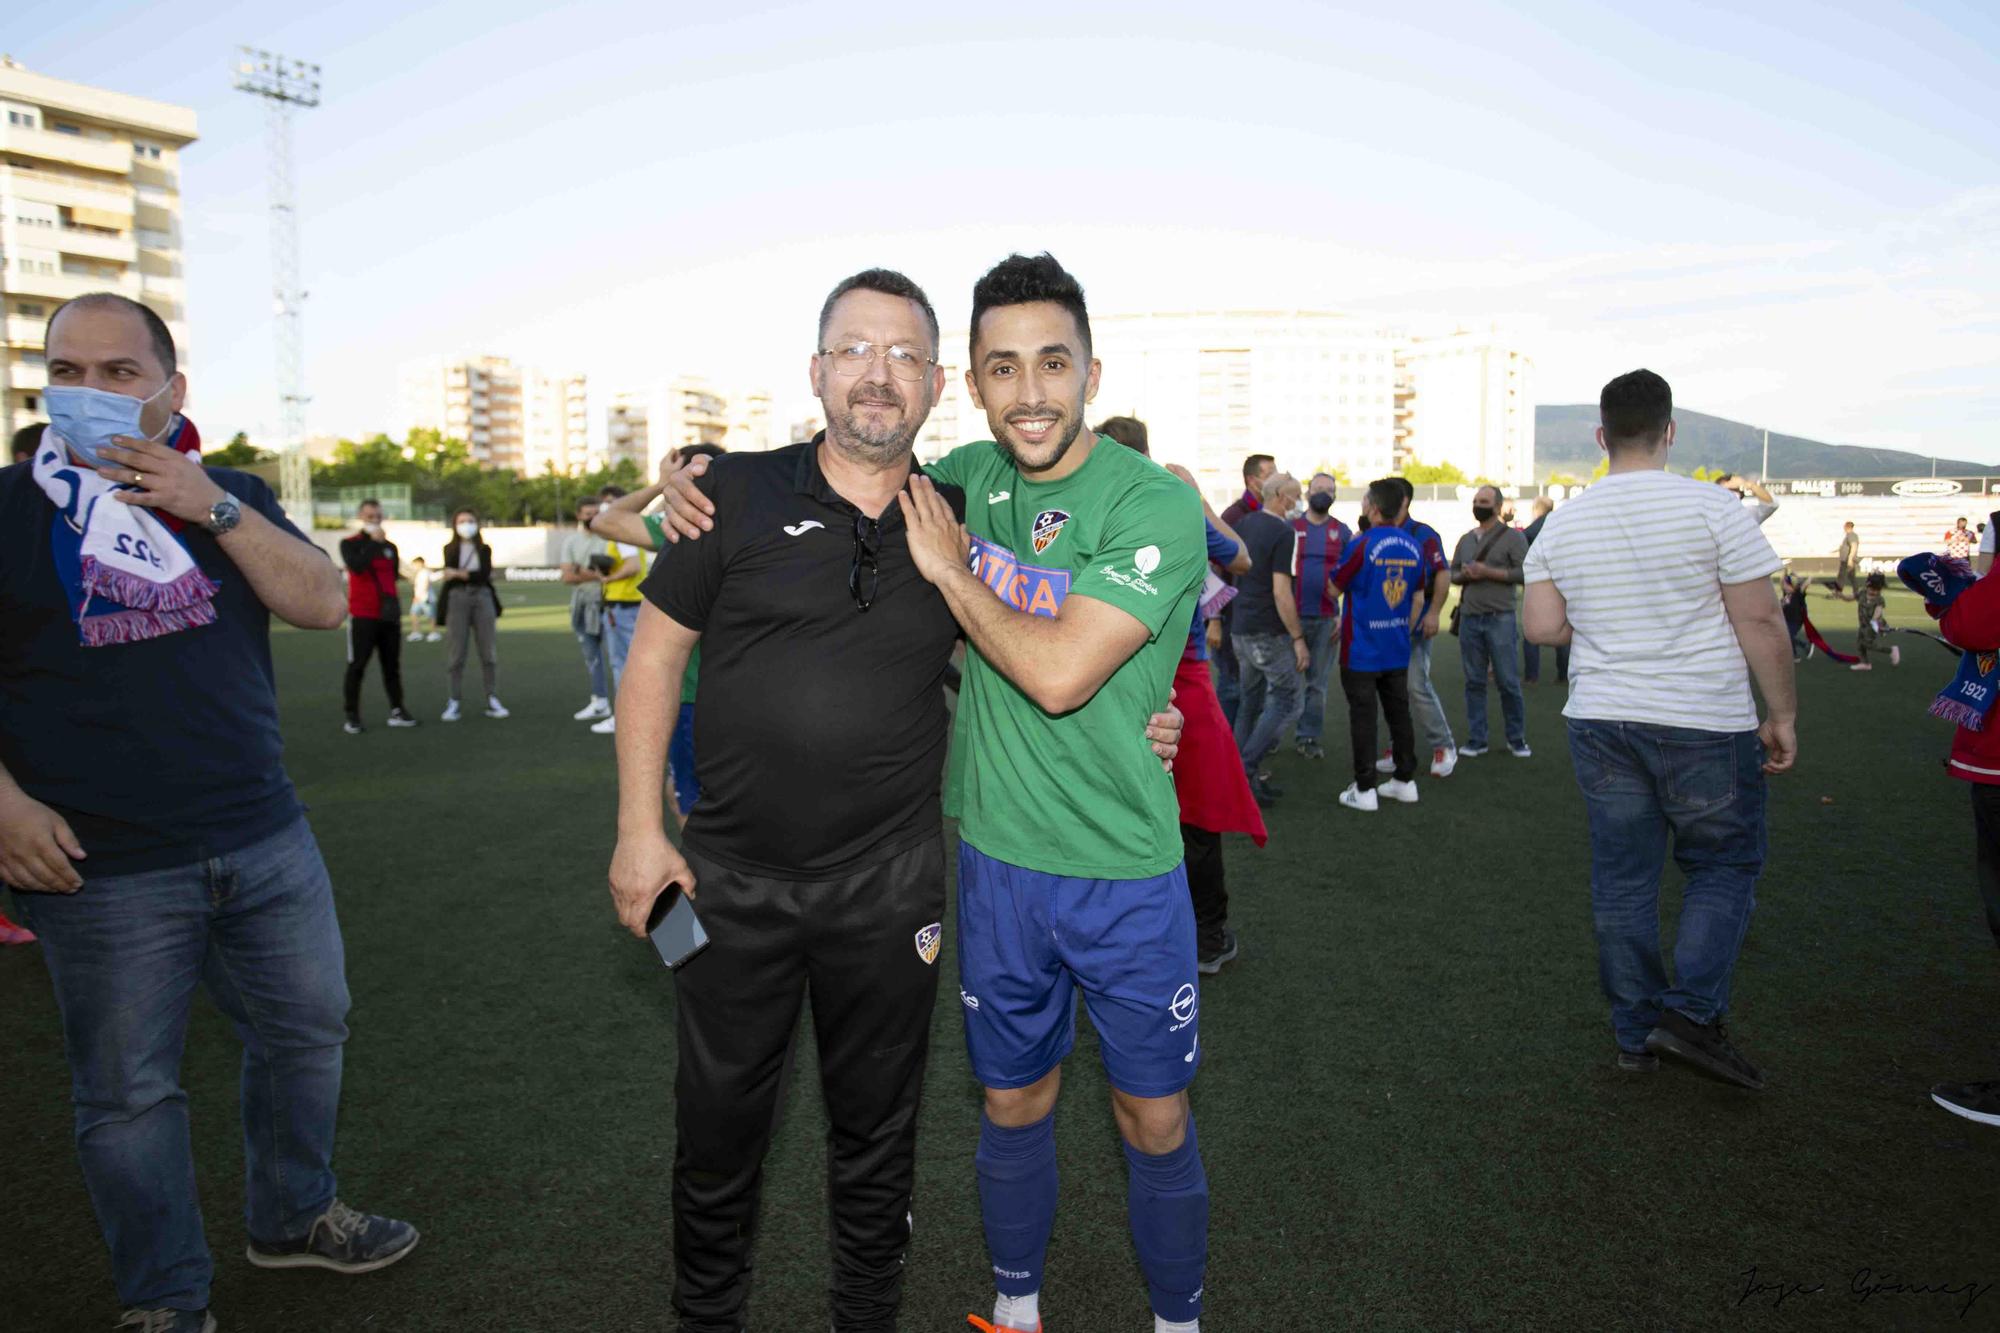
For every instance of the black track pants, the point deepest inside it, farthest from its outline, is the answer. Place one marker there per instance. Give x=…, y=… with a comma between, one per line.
x=365, y=638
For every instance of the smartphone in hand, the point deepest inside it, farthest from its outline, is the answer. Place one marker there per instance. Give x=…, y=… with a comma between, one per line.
x=674, y=929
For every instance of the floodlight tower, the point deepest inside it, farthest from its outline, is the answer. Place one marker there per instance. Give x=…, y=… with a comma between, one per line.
x=285, y=85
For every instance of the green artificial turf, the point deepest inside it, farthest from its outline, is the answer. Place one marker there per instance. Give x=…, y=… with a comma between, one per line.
x=1408, y=1109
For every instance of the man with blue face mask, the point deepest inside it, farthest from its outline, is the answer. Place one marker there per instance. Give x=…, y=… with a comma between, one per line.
x=147, y=827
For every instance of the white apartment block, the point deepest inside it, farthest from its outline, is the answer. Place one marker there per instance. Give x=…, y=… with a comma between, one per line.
x=627, y=420
x=509, y=416
x=1467, y=399
x=90, y=201
x=689, y=409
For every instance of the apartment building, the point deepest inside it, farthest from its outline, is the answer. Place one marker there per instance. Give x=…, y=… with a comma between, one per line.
x=90, y=201
x=509, y=416
x=627, y=428
x=689, y=409
x=1467, y=399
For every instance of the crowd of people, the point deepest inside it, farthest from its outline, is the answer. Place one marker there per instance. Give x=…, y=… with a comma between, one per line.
x=1126, y=660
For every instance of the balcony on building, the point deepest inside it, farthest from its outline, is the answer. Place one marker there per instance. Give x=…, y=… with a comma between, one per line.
x=65, y=190
x=73, y=150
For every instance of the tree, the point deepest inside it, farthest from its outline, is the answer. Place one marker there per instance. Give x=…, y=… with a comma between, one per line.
x=1434, y=474
x=239, y=452
x=1562, y=479
x=1602, y=470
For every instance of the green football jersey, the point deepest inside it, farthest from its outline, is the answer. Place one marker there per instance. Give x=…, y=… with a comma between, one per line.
x=1080, y=793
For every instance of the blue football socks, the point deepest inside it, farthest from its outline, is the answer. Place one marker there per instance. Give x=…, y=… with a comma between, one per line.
x=1017, y=1200
x=1167, y=1196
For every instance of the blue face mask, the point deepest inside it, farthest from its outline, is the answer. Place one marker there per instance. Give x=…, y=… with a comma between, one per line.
x=88, y=418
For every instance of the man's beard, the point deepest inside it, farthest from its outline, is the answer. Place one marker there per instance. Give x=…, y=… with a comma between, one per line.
x=880, y=444
x=1075, y=420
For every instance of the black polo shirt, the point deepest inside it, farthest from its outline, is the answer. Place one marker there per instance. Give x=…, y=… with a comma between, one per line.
x=820, y=732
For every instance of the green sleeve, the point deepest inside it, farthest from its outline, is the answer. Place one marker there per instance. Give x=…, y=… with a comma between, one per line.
x=656, y=528
x=1153, y=555
x=960, y=465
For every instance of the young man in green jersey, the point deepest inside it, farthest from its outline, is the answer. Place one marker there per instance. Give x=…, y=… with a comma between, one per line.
x=1078, y=566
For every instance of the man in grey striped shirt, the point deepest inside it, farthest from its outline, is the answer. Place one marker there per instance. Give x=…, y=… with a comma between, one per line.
x=1661, y=587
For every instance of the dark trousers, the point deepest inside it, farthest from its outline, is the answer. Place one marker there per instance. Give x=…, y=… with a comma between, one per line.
x=1986, y=824
x=365, y=638
x=1206, y=886
x=857, y=946
x=1392, y=688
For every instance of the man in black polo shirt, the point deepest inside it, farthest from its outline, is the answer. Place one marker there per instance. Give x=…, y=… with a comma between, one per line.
x=147, y=826
x=816, y=847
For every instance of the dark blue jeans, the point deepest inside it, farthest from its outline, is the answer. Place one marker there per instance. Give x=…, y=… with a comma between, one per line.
x=1531, y=662
x=1642, y=783
x=1484, y=638
x=256, y=927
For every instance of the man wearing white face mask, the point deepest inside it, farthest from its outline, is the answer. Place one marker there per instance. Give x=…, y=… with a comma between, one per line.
x=468, y=608
x=147, y=827
x=375, y=617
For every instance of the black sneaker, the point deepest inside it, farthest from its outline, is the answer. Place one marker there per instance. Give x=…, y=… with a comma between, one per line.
x=1261, y=793
x=342, y=1240
x=1270, y=786
x=166, y=1321
x=1705, y=1046
x=1309, y=750
x=400, y=717
x=1637, y=1062
x=1974, y=1101
x=353, y=725
x=1212, y=957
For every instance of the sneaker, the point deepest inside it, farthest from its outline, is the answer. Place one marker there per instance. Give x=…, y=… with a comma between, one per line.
x=13, y=932
x=494, y=708
x=450, y=712
x=1270, y=786
x=1520, y=751
x=352, y=726
x=1309, y=750
x=432, y=637
x=1406, y=792
x=415, y=635
x=599, y=706
x=1974, y=1101
x=1810, y=650
x=1356, y=799
x=1861, y=666
x=167, y=1321
x=1471, y=751
x=1637, y=1062
x=1443, y=760
x=608, y=727
x=1387, y=763
x=400, y=717
x=1706, y=1046
x=1895, y=655
x=1209, y=961
x=342, y=1240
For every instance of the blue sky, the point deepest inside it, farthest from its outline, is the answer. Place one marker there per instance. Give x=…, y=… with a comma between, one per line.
x=1793, y=213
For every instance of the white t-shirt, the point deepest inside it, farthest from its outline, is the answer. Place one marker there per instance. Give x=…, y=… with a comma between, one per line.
x=1641, y=559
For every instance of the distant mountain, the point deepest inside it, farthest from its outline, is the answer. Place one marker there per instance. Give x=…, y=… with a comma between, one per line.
x=1566, y=441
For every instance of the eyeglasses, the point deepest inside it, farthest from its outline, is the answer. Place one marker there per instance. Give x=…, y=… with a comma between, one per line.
x=865, y=572
x=905, y=363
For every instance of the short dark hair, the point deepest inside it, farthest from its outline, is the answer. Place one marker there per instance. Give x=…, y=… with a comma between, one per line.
x=588, y=499
x=1128, y=431
x=1635, y=410
x=1023, y=280
x=25, y=441
x=613, y=492
x=688, y=451
x=1387, y=497
x=157, y=331
x=1404, y=487
x=886, y=281
x=1254, y=462
x=371, y=500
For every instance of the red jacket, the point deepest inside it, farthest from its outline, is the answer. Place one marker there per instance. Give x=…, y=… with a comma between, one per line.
x=1973, y=623
x=371, y=576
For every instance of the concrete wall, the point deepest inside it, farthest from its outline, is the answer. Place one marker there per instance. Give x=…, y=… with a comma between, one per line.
x=511, y=546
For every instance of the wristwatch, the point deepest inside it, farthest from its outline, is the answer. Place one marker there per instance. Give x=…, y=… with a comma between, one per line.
x=223, y=516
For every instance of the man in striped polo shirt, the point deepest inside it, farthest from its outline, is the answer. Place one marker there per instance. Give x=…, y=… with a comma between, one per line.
x=1661, y=586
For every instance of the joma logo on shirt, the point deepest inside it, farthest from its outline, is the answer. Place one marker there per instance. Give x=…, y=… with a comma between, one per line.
x=1029, y=588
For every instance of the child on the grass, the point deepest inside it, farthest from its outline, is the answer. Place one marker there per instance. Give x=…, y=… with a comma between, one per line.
x=1868, y=602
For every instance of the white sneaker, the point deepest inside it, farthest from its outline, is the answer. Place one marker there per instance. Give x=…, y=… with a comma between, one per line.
x=1356, y=799
x=1520, y=751
x=1443, y=761
x=432, y=637
x=494, y=708
x=1860, y=666
x=450, y=712
x=608, y=727
x=1406, y=792
x=599, y=706
x=415, y=635
x=1387, y=763
x=1470, y=751
x=1895, y=656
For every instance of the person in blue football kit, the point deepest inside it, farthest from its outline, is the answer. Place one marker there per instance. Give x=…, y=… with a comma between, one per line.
x=1381, y=573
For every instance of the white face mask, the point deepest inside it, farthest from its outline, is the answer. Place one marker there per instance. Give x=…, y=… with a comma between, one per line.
x=468, y=530
x=372, y=529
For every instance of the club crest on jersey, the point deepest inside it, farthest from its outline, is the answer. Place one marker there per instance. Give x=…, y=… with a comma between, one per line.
x=1048, y=526
x=1394, y=589
x=928, y=940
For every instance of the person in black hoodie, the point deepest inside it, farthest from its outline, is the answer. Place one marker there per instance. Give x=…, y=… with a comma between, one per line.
x=468, y=608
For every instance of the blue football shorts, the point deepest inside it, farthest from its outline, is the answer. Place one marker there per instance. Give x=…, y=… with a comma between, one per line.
x=1027, y=941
